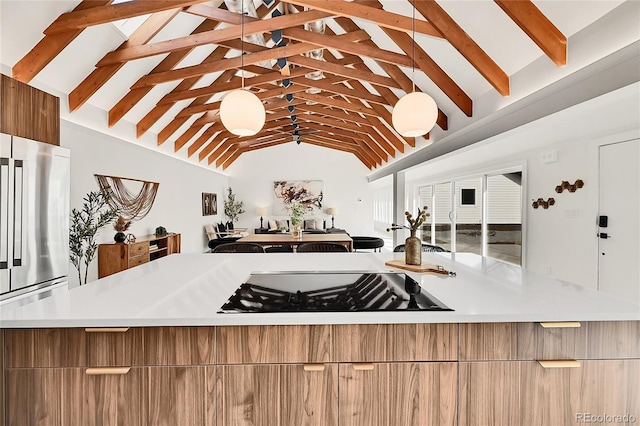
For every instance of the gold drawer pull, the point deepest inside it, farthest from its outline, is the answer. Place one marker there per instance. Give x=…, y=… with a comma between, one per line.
x=362, y=366
x=100, y=371
x=561, y=363
x=313, y=367
x=573, y=324
x=107, y=330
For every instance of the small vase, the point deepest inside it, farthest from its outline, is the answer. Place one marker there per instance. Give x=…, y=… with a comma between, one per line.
x=413, y=250
x=119, y=237
x=296, y=231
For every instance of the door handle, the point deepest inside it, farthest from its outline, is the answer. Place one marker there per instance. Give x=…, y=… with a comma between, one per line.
x=4, y=213
x=18, y=212
x=603, y=235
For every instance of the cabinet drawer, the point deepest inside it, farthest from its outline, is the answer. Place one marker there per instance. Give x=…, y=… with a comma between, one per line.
x=179, y=345
x=274, y=344
x=73, y=347
x=395, y=342
x=136, y=249
x=138, y=260
x=522, y=341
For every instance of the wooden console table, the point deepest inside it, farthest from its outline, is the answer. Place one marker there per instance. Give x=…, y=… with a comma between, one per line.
x=116, y=257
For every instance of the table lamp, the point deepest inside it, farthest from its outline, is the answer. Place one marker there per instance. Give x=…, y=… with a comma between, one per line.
x=261, y=211
x=332, y=211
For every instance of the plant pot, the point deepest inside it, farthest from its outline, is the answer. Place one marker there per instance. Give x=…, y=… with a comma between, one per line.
x=413, y=251
x=119, y=237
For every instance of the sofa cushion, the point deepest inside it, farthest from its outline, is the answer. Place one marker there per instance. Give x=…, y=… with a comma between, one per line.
x=273, y=226
x=282, y=224
x=309, y=224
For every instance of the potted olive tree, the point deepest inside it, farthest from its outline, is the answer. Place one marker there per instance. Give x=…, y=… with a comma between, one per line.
x=232, y=208
x=85, y=224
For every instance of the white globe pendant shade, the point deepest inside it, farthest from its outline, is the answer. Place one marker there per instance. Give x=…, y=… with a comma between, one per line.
x=415, y=114
x=242, y=113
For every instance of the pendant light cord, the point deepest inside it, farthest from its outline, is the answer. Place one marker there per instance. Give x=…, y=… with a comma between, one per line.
x=413, y=46
x=242, y=45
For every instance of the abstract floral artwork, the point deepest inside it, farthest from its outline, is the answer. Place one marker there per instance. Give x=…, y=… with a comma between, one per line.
x=307, y=192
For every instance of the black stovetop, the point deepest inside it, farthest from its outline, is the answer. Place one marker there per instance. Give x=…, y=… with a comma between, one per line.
x=330, y=292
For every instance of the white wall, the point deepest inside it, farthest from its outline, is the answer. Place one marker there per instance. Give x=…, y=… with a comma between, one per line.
x=178, y=203
x=560, y=241
x=344, y=176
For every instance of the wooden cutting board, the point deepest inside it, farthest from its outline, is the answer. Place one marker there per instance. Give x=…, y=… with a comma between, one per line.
x=424, y=267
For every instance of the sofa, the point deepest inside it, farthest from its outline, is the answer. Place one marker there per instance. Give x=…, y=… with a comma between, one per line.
x=311, y=226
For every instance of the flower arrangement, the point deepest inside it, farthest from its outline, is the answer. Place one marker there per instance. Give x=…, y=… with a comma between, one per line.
x=414, y=224
x=297, y=212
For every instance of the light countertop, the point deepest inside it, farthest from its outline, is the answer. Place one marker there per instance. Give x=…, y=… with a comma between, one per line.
x=188, y=289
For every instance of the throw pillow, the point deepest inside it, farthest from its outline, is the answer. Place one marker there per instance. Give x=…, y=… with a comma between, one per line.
x=309, y=224
x=230, y=225
x=320, y=224
x=282, y=224
x=273, y=226
x=222, y=230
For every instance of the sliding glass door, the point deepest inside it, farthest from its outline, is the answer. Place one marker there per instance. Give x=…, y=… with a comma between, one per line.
x=484, y=212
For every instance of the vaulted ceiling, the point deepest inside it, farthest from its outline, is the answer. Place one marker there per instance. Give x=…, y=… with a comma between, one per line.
x=328, y=71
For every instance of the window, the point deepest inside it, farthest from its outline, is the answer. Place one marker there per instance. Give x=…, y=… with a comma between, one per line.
x=467, y=197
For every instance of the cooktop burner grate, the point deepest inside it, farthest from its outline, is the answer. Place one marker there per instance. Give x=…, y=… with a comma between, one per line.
x=367, y=292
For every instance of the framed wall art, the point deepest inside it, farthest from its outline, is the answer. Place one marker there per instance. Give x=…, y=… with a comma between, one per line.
x=209, y=204
x=307, y=192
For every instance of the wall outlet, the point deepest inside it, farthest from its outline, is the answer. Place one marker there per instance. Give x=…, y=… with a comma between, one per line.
x=549, y=157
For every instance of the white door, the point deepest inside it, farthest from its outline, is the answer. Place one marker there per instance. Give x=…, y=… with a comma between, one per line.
x=619, y=201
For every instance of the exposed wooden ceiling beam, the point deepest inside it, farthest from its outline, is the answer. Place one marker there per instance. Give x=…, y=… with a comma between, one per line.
x=350, y=73
x=159, y=110
x=347, y=106
x=335, y=113
x=99, y=76
x=79, y=19
x=332, y=42
x=334, y=85
x=377, y=16
x=290, y=51
x=214, y=106
x=465, y=45
x=538, y=27
x=432, y=70
x=396, y=74
x=49, y=47
x=134, y=96
x=210, y=37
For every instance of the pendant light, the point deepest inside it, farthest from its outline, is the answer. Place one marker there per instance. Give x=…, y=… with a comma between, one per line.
x=241, y=112
x=415, y=113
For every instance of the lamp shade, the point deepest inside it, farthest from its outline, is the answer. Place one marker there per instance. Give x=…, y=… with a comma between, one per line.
x=242, y=113
x=261, y=211
x=415, y=114
x=332, y=211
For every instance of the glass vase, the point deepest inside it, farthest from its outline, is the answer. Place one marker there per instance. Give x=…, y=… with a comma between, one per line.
x=413, y=250
x=296, y=231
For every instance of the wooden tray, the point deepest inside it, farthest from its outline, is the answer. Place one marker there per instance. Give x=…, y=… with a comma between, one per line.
x=425, y=267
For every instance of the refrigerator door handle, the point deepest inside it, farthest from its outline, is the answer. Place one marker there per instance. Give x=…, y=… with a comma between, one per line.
x=4, y=213
x=18, y=212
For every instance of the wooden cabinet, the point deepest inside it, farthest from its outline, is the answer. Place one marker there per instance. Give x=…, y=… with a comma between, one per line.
x=416, y=393
x=181, y=395
x=509, y=386
x=270, y=394
x=28, y=112
x=523, y=392
x=394, y=374
x=118, y=257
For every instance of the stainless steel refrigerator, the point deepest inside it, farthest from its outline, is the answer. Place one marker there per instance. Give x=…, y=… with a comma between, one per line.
x=34, y=215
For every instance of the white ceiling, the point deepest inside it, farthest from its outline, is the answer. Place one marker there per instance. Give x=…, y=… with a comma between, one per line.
x=22, y=23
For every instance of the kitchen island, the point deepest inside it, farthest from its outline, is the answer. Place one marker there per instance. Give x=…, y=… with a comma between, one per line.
x=147, y=346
